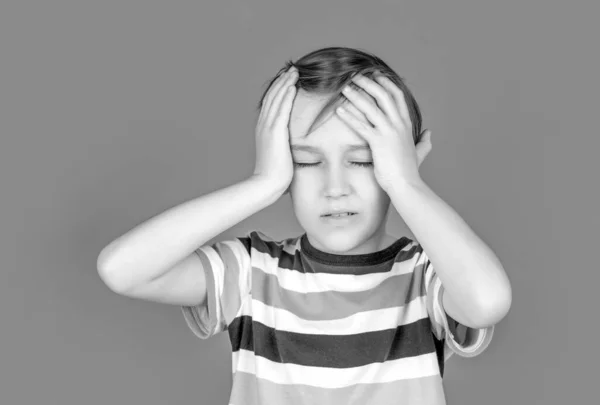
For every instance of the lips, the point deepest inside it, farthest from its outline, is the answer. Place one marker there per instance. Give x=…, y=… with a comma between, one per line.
x=350, y=213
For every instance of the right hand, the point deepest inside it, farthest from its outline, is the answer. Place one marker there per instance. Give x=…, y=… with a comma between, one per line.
x=273, y=155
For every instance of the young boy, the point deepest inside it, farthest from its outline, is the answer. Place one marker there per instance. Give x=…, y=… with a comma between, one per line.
x=344, y=313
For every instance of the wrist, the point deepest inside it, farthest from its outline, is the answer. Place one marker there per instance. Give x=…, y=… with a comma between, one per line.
x=267, y=184
x=405, y=182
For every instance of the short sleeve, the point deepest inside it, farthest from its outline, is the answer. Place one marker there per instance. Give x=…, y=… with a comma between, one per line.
x=227, y=269
x=460, y=339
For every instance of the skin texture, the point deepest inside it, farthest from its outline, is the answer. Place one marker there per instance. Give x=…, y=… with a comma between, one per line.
x=335, y=181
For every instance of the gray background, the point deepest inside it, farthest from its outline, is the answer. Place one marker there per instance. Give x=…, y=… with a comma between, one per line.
x=113, y=111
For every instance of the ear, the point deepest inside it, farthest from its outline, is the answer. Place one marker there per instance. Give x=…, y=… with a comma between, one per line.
x=423, y=147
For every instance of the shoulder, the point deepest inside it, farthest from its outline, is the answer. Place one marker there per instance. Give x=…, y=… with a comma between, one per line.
x=410, y=252
x=262, y=242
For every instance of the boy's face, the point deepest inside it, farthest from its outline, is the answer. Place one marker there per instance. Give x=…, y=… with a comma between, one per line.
x=335, y=182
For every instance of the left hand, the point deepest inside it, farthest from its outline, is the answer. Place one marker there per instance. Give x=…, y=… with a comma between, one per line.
x=387, y=128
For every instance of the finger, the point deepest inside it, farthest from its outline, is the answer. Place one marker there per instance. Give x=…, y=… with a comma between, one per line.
x=355, y=123
x=273, y=89
x=427, y=136
x=369, y=109
x=276, y=104
x=384, y=99
x=424, y=138
x=398, y=96
x=271, y=92
x=357, y=113
x=285, y=108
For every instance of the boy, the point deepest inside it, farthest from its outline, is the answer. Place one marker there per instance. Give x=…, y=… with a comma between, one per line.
x=344, y=313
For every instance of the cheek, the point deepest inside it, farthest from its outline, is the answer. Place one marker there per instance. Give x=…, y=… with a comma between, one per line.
x=368, y=186
x=381, y=199
x=300, y=185
x=308, y=181
x=302, y=197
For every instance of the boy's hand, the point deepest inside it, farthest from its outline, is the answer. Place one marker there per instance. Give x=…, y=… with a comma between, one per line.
x=273, y=156
x=385, y=124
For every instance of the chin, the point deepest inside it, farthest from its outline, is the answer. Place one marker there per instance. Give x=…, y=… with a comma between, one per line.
x=340, y=241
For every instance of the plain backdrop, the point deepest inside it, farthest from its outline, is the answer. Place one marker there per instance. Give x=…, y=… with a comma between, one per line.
x=114, y=111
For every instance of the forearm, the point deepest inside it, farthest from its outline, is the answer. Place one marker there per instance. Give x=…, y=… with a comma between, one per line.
x=471, y=273
x=154, y=246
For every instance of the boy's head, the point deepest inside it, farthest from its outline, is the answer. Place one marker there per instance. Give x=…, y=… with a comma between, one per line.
x=338, y=177
x=325, y=72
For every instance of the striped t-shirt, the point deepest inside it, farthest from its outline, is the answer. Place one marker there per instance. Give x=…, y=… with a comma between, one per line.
x=311, y=327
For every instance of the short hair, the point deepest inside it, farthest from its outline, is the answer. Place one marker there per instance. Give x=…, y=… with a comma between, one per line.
x=328, y=70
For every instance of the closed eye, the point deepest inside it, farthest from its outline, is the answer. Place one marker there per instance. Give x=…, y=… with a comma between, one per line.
x=360, y=164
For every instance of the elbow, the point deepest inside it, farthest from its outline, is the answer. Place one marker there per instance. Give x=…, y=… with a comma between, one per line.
x=107, y=272
x=109, y=279
x=493, y=310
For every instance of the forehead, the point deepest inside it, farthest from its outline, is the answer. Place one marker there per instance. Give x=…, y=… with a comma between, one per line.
x=329, y=131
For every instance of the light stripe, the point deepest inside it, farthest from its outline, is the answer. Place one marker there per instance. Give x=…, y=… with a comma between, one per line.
x=233, y=273
x=249, y=390
x=325, y=377
x=439, y=317
x=367, y=321
x=201, y=318
x=244, y=262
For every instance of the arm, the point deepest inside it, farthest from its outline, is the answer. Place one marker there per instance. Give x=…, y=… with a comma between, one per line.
x=478, y=292
x=477, y=289
x=165, y=242
x=152, y=248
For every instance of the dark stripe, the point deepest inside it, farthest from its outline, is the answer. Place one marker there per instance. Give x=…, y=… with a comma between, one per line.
x=369, y=263
x=355, y=260
x=439, y=351
x=246, y=241
x=336, y=351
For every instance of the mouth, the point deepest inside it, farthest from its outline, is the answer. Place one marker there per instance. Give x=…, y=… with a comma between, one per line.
x=340, y=215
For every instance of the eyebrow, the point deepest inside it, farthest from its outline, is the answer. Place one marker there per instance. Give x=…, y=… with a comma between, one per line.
x=309, y=148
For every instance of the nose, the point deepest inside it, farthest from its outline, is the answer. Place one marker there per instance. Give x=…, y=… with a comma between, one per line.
x=336, y=182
